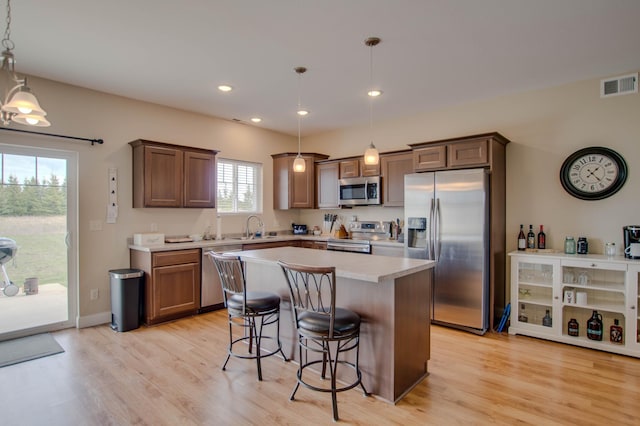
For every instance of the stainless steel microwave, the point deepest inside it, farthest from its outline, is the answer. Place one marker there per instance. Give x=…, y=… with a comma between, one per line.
x=360, y=191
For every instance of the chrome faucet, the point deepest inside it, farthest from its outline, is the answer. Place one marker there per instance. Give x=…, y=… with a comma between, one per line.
x=260, y=224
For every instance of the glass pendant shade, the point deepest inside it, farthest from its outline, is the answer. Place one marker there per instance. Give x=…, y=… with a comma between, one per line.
x=299, y=165
x=31, y=120
x=371, y=155
x=24, y=102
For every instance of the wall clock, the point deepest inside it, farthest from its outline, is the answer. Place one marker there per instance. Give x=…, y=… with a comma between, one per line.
x=593, y=173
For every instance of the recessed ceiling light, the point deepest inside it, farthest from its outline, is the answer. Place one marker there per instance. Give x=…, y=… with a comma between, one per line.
x=256, y=119
x=303, y=112
x=374, y=93
x=225, y=88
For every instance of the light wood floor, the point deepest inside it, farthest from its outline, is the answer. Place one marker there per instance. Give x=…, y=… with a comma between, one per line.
x=170, y=375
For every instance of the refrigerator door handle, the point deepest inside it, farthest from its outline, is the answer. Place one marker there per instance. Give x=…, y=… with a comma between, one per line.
x=436, y=238
x=430, y=233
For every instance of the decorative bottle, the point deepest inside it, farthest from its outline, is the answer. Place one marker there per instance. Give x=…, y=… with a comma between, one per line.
x=522, y=240
x=542, y=239
x=594, y=326
x=546, y=320
x=522, y=316
x=531, y=238
x=615, y=333
x=569, y=245
x=573, y=328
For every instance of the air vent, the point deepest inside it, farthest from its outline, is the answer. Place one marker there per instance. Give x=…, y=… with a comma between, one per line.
x=622, y=85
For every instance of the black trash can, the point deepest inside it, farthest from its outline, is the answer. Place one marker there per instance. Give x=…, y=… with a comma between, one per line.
x=126, y=298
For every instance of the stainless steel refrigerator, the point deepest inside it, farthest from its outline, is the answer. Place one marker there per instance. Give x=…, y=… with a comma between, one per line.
x=447, y=220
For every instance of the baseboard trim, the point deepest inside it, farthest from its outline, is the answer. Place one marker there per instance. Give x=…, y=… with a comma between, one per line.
x=92, y=320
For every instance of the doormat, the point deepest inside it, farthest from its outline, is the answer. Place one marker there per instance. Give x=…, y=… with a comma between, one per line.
x=27, y=348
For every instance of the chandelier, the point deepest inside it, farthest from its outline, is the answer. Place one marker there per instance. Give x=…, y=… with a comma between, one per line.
x=18, y=103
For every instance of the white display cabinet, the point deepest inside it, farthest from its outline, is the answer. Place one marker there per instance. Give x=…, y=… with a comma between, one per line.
x=574, y=286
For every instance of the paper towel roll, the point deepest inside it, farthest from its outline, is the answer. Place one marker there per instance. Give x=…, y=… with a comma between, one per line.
x=218, y=228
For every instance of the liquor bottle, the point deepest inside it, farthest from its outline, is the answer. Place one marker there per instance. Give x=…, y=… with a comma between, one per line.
x=522, y=241
x=546, y=320
x=594, y=326
x=615, y=333
x=531, y=238
x=542, y=238
x=573, y=328
x=522, y=316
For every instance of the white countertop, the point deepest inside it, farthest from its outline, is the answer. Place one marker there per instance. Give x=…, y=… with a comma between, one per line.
x=348, y=265
x=212, y=244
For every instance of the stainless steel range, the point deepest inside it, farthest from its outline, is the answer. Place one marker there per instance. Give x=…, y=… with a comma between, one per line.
x=361, y=234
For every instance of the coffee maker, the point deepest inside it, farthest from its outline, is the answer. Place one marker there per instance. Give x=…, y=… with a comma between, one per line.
x=631, y=235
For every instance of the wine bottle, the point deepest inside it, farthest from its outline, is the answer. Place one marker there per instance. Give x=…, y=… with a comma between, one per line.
x=531, y=238
x=542, y=238
x=522, y=241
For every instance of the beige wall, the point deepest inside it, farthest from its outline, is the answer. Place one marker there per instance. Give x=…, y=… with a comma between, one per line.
x=544, y=126
x=79, y=112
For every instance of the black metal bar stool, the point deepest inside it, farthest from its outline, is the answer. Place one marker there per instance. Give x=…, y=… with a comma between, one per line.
x=249, y=310
x=322, y=327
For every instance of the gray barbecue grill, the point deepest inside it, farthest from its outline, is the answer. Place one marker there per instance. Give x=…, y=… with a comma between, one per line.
x=8, y=250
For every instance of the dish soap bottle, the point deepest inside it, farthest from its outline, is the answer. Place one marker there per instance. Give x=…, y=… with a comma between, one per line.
x=594, y=326
x=615, y=334
x=546, y=320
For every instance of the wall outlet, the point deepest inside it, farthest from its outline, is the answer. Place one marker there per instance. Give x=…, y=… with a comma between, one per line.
x=95, y=294
x=95, y=225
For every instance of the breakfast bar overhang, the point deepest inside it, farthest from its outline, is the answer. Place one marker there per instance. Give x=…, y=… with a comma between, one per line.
x=391, y=294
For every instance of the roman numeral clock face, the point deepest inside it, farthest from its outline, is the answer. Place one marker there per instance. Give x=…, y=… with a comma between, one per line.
x=593, y=173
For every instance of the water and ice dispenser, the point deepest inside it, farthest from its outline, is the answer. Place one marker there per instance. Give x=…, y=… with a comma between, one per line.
x=417, y=232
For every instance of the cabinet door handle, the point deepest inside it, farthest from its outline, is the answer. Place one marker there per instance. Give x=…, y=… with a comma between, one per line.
x=633, y=307
x=593, y=265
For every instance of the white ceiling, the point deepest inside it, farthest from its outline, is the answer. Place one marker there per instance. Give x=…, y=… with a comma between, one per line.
x=434, y=53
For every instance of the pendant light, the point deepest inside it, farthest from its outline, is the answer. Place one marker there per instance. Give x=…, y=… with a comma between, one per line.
x=371, y=156
x=17, y=103
x=299, y=165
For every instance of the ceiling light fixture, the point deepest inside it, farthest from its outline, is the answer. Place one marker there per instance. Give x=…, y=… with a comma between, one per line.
x=256, y=119
x=299, y=164
x=371, y=155
x=225, y=88
x=19, y=104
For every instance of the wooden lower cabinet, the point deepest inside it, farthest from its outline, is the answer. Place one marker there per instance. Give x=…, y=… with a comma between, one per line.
x=172, y=283
x=270, y=244
x=318, y=245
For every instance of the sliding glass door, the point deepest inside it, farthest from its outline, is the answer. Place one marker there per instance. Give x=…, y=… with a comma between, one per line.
x=38, y=223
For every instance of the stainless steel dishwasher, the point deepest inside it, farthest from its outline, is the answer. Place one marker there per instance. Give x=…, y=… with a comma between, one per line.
x=210, y=287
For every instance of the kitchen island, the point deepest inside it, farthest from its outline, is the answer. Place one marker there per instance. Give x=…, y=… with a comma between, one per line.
x=391, y=294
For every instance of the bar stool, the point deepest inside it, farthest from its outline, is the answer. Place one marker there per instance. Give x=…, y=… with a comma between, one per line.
x=322, y=327
x=249, y=310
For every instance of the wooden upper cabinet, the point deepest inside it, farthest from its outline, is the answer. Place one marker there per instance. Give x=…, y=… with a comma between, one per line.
x=327, y=185
x=471, y=153
x=393, y=168
x=349, y=168
x=355, y=167
x=458, y=153
x=162, y=183
x=430, y=158
x=199, y=179
x=294, y=190
x=166, y=175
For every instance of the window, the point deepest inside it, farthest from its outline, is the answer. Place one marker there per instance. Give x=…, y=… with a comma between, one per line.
x=239, y=188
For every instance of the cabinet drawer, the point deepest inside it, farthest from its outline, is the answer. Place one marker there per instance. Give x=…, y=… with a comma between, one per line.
x=595, y=264
x=471, y=153
x=176, y=257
